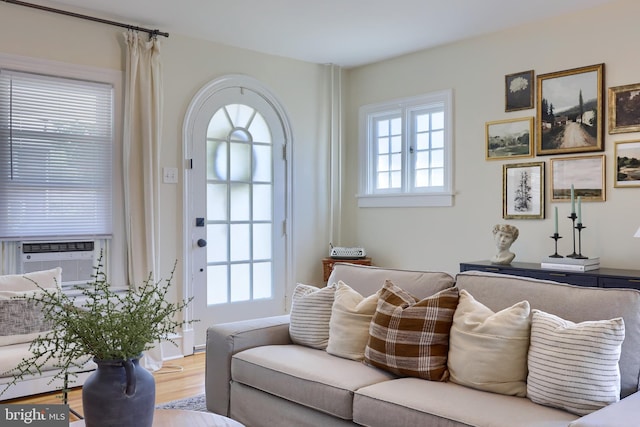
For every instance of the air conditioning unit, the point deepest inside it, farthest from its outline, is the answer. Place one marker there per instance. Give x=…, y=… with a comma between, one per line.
x=75, y=258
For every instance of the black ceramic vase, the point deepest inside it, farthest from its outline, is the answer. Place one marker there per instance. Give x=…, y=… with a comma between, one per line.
x=120, y=393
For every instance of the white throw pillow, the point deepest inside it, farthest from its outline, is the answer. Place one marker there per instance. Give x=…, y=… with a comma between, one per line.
x=310, y=315
x=574, y=366
x=350, y=318
x=487, y=350
x=22, y=321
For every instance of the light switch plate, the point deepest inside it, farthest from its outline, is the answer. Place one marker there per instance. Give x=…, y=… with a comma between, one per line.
x=170, y=175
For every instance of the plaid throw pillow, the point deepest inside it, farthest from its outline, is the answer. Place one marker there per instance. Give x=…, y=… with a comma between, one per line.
x=409, y=337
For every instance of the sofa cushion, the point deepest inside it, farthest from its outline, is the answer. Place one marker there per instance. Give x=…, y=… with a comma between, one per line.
x=411, y=402
x=13, y=285
x=574, y=366
x=410, y=337
x=310, y=315
x=368, y=279
x=488, y=350
x=574, y=303
x=307, y=376
x=349, y=325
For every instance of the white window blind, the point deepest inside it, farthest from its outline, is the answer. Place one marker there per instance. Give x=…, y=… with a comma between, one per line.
x=56, y=145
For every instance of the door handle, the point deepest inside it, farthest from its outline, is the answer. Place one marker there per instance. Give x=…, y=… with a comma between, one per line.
x=202, y=243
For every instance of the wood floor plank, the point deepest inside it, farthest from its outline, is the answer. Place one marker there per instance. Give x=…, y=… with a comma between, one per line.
x=177, y=379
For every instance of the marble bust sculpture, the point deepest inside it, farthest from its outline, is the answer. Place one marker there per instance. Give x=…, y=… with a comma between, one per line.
x=504, y=235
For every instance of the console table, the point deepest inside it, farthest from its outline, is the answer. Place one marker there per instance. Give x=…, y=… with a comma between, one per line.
x=603, y=277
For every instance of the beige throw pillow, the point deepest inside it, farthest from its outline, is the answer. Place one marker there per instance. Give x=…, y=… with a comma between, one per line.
x=487, y=350
x=410, y=337
x=349, y=325
x=310, y=315
x=574, y=366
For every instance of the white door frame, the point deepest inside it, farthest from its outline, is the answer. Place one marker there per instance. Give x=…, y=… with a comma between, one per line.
x=201, y=97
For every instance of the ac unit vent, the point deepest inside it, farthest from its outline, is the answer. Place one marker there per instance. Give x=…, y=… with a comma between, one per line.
x=75, y=258
x=38, y=248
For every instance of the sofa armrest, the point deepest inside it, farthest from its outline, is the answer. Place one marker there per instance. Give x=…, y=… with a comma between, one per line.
x=624, y=413
x=226, y=339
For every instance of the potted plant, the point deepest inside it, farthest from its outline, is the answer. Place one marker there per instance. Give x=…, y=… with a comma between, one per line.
x=114, y=328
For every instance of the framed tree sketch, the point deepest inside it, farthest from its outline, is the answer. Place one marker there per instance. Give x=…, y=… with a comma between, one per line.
x=624, y=108
x=509, y=138
x=627, y=164
x=585, y=174
x=523, y=191
x=570, y=111
x=518, y=91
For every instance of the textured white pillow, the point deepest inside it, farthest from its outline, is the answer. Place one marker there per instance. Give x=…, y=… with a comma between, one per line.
x=22, y=321
x=310, y=315
x=350, y=318
x=574, y=366
x=487, y=350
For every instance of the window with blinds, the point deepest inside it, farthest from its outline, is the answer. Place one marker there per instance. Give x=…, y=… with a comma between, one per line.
x=56, y=148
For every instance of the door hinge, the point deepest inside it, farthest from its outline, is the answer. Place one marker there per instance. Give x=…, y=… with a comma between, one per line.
x=284, y=227
x=284, y=151
x=190, y=164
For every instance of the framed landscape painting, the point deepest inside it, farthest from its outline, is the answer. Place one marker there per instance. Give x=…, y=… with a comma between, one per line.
x=570, y=111
x=624, y=108
x=518, y=91
x=509, y=138
x=523, y=191
x=627, y=164
x=585, y=173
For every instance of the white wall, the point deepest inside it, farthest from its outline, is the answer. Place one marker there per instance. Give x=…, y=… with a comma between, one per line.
x=441, y=238
x=302, y=88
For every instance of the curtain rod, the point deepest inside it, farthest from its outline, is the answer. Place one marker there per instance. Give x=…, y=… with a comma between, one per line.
x=152, y=33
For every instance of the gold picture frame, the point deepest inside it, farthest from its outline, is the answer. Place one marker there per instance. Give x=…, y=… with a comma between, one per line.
x=508, y=139
x=624, y=108
x=585, y=173
x=627, y=164
x=570, y=111
x=523, y=191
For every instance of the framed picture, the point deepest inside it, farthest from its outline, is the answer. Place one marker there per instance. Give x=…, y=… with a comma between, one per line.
x=570, y=112
x=509, y=138
x=627, y=164
x=523, y=191
x=624, y=108
x=585, y=174
x=518, y=91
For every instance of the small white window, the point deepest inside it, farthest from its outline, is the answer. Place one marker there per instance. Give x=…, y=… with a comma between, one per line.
x=56, y=145
x=406, y=151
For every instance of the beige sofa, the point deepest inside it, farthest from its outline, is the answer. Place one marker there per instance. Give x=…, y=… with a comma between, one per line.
x=256, y=375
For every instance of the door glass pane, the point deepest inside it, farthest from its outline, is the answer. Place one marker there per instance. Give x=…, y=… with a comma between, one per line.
x=216, y=202
x=261, y=241
x=262, y=280
x=262, y=202
x=422, y=123
x=262, y=163
x=240, y=114
x=217, y=162
x=259, y=130
x=240, y=202
x=239, y=242
x=240, y=282
x=240, y=162
x=217, y=239
x=422, y=178
x=219, y=126
x=217, y=285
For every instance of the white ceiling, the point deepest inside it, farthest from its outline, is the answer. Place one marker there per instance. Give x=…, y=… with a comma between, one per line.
x=343, y=32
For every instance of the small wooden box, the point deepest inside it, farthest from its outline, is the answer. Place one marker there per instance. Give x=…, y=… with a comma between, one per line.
x=327, y=264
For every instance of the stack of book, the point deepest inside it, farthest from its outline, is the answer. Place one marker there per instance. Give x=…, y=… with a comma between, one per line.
x=571, y=264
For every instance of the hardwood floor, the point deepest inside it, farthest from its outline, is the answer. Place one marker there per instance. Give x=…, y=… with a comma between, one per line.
x=177, y=379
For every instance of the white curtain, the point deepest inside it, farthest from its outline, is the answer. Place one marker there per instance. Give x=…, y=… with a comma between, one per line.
x=141, y=151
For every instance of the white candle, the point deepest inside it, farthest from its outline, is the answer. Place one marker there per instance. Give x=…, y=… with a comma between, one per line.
x=579, y=209
x=556, y=228
x=573, y=201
